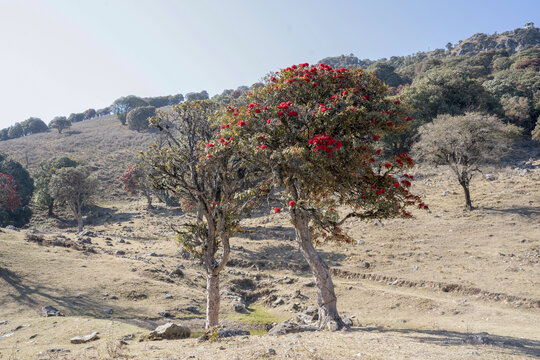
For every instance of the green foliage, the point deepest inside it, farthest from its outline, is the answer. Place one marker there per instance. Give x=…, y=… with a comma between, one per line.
x=89, y=114
x=42, y=177
x=60, y=123
x=386, y=73
x=73, y=187
x=192, y=96
x=137, y=119
x=33, y=126
x=535, y=133
x=15, y=131
x=121, y=106
x=73, y=117
x=20, y=215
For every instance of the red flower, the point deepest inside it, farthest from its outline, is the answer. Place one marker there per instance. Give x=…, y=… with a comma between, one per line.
x=281, y=113
x=397, y=102
x=241, y=123
x=268, y=121
x=376, y=138
x=396, y=185
x=209, y=145
x=378, y=151
x=276, y=210
x=409, y=118
x=292, y=203
x=257, y=111
x=387, y=165
x=209, y=155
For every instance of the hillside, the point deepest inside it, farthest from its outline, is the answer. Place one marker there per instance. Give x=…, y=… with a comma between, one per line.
x=102, y=143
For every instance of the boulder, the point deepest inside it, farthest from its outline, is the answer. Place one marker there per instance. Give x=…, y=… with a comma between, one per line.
x=50, y=311
x=288, y=327
x=84, y=339
x=170, y=331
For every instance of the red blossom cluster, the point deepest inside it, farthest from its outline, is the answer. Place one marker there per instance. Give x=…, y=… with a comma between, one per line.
x=8, y=192
x=325, y=143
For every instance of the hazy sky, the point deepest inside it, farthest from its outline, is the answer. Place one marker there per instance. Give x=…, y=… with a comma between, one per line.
x=63, y=56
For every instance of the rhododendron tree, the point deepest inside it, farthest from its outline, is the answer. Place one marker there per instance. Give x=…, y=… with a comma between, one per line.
x=316, y=131
x=8, y=192
x=135, y=180
x=212, y=186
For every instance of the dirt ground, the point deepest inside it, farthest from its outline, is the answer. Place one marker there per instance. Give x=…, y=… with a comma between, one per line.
x=415, y=288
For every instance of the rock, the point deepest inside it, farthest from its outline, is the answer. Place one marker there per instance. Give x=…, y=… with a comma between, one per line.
x=365, y=264
x=511, y=343
x=445, y=193
x=108, y=243
x=33, y=336
x=53, y=351
x=168, y=296
x=108, y=311
x=6, y=335
x=270, y=352
x=18, y=327
x=50, y=311
x=153, y=254
x=223, y=333
x=85, y=241
x=415, y=268
x=11, y=227
x=288, y=327
x=278, y=301
x=521, y=172
x=305, y=318
x=3, y=322
x=119, y=252
x=121, y=241
x=165, y=314
x=299, y=295
x=84, y=339
x=346, y=320
x=177, y=272
x=479, y=339
x=170, y=331
x=239, y=307
x=360, y=242
x=489, y=177
x=192, y=309
x=312, y=310
x=86, y=233
x=285, y=280
x=309, y=284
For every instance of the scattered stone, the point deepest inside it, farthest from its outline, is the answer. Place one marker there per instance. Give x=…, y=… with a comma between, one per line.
x=3, y=322
x=223, y=333
x=415, y=268
x=119, y=252
x=489, y=177
x=153, y=254
x=270, y=352
x=239, y=307
x=50, y=311
x=33, y=336
x=108, y=243
x=108, y=311
x=165, y=314
x=347, y=321
x=6, y=335
x=360, y=242
x=299, y=295
x=84, y=339
x=11, y=227
x=312, y=310
x=18, y=327
x=86, y=233
x=365, y=264
x=85, y=241
x=305, y=318
x=478, y=339
x=168, y=296
x=309, y=284
x=278, y=301
x=89, y=347
x=121, y=241
x=445, y=193
x=285, y=280
x=170, y=331
x=177, y=272
x=192, y=309
x=53, y=351
x=288, y=327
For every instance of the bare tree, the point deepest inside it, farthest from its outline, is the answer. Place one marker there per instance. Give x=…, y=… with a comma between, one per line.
x=465, y=143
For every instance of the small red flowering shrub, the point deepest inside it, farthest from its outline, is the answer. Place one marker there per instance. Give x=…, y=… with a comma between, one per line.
x=8, y=192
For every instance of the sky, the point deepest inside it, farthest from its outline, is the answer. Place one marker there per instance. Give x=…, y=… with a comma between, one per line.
x=64, y=56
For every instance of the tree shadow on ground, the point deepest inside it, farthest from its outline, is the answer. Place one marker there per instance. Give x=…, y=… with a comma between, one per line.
x=518, y=346
x=527, y=211
x=283, y=255
x=32, y=295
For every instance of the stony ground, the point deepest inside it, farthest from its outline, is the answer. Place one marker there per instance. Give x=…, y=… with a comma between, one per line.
x=447, y=284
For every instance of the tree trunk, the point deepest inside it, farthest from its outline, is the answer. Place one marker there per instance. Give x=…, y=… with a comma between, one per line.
x=212, y=300
x=79, y=218
x=149, y=205
x=326, y=296
x=50, y=211
x=468, y=203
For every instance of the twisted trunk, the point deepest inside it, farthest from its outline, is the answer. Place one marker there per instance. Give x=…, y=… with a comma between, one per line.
x=212, y=300
x=326, y=296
